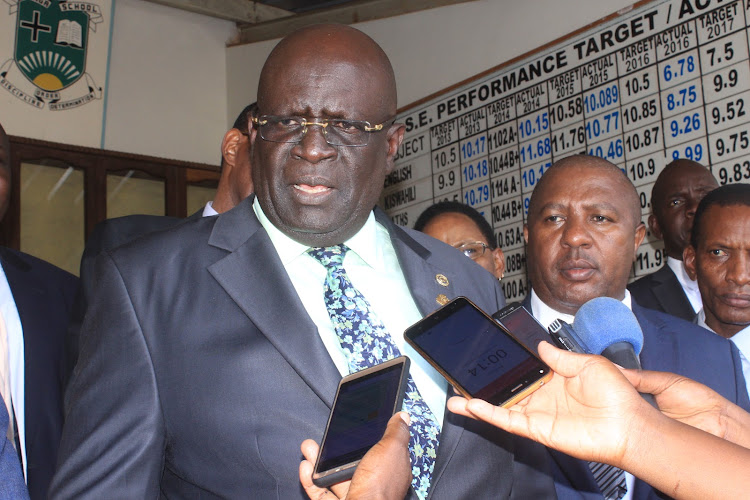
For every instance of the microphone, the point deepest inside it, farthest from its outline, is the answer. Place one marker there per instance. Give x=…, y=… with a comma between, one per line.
x=607, y=327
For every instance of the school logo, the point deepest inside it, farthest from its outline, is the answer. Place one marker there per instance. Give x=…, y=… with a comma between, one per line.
x=49, y=61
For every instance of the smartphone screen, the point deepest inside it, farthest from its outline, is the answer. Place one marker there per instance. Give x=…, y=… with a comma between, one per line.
x=364, y=403
x=474, y=353
x=519, y=321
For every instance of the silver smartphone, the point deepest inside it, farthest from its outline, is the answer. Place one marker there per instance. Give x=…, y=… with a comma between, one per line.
x=364, y=403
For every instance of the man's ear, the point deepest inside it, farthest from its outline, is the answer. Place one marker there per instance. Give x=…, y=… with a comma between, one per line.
x=688, y=258
x=229, y=145
x=394, y=140
x=640, y=233
x=499, y=258
x=653, y=225
x=526, y=233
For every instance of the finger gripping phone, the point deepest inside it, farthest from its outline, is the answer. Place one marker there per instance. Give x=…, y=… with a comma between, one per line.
x=364, y=403
x=475, y=354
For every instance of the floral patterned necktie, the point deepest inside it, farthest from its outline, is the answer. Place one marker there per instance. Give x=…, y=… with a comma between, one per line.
x=366, y=342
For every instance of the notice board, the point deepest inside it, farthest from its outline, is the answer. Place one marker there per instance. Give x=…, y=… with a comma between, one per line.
x=666, y=79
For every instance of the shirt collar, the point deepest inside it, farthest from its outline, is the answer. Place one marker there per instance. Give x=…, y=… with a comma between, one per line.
x=741, y=338
x=700, y=320
x=363, y=243
x=209, y=210
x=546, y=315
x=678, y=268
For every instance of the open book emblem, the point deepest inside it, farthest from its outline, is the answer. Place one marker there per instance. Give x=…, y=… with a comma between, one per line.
x=51, y=39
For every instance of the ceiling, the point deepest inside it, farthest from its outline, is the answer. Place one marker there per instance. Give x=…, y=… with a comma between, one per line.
x=259, y=20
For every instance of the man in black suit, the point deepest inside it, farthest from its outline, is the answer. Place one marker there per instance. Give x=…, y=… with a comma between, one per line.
x=35, y=303
x=209, y=355
x=581, y=244
x=674, y=198
x=235, y=185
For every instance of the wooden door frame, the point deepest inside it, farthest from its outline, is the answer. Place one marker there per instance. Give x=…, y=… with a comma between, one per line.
x=96, y=164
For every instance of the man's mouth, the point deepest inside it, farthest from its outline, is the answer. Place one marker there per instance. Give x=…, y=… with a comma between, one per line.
x=577, y=270
x=736, y=300
x=307, y=188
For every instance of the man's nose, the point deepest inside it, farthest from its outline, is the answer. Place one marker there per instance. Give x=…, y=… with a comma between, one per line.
x=738, y=269
x=313, y=146
x=576, y=233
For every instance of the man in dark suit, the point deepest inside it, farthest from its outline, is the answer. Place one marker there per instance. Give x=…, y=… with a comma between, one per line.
x=580, y=245
x=209, y=354
x=235, y=185
x=35, y=303
x=674, y=198
x=718, y=258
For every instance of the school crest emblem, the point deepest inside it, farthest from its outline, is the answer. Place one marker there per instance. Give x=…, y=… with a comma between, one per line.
x=51, y=42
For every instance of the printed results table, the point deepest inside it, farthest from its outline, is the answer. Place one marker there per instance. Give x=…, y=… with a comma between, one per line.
x=683, y=92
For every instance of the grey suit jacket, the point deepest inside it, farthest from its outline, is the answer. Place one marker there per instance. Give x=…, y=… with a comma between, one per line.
x=200, y=373
x=662, y=292
x=107, y=235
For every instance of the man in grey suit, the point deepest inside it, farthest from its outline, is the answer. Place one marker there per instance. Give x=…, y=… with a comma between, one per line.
x=208, y=354
x=674, y=198
x=234, y=186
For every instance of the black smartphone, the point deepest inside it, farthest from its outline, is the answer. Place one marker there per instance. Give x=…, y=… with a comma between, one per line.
x=364, y=403
x=477, y=355
x=565, y=337
x=518, y=321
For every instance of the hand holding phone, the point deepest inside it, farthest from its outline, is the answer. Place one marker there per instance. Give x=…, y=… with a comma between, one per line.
x=384, y=471
x=364, y=403
x=475, y=354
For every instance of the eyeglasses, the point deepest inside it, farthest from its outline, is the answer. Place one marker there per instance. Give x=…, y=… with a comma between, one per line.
x=337, y=132
x=473, y=250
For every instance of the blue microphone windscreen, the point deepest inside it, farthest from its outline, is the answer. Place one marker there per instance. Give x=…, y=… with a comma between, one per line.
x=604, y=321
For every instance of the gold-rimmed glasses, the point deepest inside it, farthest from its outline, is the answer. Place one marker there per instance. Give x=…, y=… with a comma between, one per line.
x=337, y=132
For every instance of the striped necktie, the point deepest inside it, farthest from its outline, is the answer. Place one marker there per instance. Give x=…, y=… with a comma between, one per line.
x=610, y=479
x=366, y=342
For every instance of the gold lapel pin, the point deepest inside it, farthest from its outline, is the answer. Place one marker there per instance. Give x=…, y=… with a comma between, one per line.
x=442, y=299
x=442, y=280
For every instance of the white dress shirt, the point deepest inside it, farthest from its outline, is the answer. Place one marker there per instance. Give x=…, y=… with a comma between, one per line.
x=546, y=315
x=373, y=268
x=689, y=286
x=16, y=360
x=208, y=210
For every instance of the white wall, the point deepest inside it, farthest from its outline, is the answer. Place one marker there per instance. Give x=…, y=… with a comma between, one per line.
x=433, y=49
x=167, y=85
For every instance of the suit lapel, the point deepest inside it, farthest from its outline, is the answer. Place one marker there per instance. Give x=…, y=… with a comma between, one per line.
x=658, y=350
x=670, y=294
x=425, y=287
x=254, y=265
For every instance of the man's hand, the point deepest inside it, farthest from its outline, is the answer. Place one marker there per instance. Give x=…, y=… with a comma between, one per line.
x=383, y=474
x=694, y=404
x=586, y=410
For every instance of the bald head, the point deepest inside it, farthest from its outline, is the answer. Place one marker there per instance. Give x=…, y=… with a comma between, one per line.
x=603, y=168
x=674, y=199
x=313, y=187
x=583, y=230
x=668, y=178
x=329, y=47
